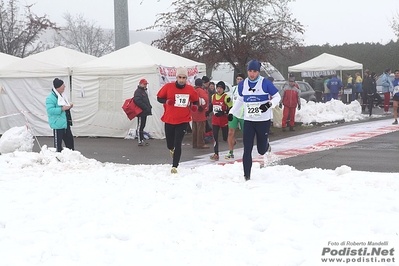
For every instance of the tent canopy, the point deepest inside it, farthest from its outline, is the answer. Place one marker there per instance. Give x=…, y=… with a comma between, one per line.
x=138, y=58
x=55, y=62
x=101, y=86
x=6, y=59
x=97, y=86
x=326, y=62
x=25, y=84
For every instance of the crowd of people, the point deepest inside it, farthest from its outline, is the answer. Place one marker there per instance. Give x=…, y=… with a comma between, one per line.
x=207, y=103
x=203, y=104
x=208, y=107
x=361, y=89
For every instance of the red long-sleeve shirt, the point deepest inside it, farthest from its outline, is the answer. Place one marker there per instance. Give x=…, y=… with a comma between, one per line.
x=180, y=111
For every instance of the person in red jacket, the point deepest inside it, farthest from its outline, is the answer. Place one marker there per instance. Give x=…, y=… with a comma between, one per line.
x=220, y=106
x=179, y=99
x=290, y=99
x=199, y=117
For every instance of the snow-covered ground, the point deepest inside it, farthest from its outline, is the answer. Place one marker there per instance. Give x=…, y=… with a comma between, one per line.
x=65, y=209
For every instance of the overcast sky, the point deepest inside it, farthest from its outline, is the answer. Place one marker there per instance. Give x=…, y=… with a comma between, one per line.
x=348, y=21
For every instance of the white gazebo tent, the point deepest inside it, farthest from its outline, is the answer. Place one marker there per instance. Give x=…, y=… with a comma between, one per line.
x=5, y=59
x=102, y=85
x=324, y=63
x=27, y=82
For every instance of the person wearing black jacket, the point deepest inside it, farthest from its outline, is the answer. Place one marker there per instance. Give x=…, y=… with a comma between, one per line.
x=372, y=92
x=319, y=88
x=366, y=85
x=141, y=100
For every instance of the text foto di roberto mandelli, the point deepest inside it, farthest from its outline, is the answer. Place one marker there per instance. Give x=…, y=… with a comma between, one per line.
x=355, y=243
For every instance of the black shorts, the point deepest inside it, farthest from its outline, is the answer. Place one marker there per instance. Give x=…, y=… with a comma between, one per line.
x=396, y=97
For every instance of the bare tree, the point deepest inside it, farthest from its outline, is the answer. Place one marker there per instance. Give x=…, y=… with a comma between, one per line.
x=395, y=25
x=233, y=31
x=19, y=34
x=84, y=36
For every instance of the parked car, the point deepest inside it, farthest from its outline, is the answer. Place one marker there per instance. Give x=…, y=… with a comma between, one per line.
x=307, y=92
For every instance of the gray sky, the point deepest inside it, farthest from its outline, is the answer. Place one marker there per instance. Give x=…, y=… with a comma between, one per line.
x=348, y=21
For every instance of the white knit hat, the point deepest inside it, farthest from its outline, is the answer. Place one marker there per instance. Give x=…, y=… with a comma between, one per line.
x=182, y=71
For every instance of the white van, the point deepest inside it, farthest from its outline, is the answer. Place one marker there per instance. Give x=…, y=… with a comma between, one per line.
x=224, y=71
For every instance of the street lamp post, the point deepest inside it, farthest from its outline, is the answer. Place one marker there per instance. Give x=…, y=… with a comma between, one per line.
x=121, y=18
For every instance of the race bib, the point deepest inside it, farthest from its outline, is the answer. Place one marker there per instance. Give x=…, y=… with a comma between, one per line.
x=181, y=100
x=253, y=110
x=217, y=108
x=396, y=89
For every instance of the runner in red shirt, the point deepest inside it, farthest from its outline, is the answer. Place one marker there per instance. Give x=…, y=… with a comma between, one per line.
x=178, y=98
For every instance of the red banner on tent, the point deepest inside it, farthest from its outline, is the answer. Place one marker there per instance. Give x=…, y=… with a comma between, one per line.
x=168, y=74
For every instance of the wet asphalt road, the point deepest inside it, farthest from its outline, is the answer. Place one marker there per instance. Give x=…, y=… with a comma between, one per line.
x=377, y=154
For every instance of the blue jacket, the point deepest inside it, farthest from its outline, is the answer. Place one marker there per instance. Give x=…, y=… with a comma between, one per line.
x=396, y=85
x=56, y=116
x=334, y=84
x=386, y=83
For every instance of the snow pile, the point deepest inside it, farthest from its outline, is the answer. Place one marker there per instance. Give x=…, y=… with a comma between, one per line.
x=343, y=169
x=331, y=111
x=16, y=139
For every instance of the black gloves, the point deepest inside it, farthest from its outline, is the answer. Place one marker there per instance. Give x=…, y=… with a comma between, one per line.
x=264, y=107
x=280, y=105
x=200, y=108
x=230, y=117
x=219, y=113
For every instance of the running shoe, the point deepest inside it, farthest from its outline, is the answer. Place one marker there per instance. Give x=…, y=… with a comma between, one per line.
x=214, y=157
x=229, y=156
x=143, y=143
x=269, y=149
